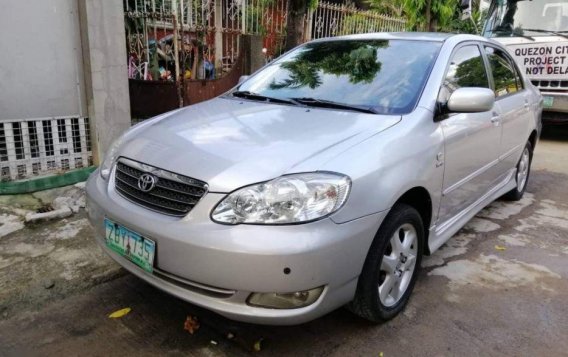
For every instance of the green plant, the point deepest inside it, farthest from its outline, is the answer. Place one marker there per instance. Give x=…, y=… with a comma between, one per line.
x=430, y=15
x=388, y=7
x=473, y=25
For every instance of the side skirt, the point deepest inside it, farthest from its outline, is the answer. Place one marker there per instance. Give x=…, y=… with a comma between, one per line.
x=439, y=234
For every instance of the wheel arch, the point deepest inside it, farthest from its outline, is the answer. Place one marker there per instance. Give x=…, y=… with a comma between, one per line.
x=419, y=198
x=533, y=138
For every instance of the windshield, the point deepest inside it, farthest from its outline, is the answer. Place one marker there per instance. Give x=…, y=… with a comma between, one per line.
x=384, y=75
x=509, y=18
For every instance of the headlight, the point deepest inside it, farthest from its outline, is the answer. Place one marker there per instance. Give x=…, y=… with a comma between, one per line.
x=287, y=199
x=110, y=156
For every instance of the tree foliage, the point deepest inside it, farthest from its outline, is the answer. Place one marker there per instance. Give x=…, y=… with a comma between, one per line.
x=388, y=7
x=470, y=73
x=431, y=15
x=474, y=25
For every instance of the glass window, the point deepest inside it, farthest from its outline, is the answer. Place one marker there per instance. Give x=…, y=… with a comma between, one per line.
x=504, y=74
x=466, y=69
x=526, y=18
x=518, y=77
x=385, y=75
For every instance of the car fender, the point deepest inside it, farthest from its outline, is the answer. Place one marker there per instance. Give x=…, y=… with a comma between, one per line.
x=385, y=166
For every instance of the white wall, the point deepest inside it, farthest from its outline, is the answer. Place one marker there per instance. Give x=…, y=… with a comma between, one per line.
x=41, y=72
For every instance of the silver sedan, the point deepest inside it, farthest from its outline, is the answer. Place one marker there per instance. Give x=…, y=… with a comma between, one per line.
x=322, y=179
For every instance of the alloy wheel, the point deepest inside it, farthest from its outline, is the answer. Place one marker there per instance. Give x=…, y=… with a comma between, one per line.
x=523, y=170
x=398, y=264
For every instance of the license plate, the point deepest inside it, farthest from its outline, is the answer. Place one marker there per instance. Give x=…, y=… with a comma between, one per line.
x=131, y=245
x=547, y=101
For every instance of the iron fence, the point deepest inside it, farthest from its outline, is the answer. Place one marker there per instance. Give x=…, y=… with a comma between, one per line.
x=329, y=20
x=196, y=39
x=199, y=39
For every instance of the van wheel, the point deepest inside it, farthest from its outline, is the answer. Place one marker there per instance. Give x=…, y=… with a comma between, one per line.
x=391, y=267
x=522, y=175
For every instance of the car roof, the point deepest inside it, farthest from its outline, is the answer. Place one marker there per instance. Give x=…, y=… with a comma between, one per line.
x=417, y=36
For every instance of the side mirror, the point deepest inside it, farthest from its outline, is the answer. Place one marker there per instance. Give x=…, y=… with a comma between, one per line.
x=471, y=100
x=242, y=79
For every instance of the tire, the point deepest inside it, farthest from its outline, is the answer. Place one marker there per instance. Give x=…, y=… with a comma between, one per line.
x=371, y=302
x=521, y=175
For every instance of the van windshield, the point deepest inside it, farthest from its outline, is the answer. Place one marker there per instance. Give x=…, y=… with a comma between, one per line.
x=384, y=76
x=510, y=18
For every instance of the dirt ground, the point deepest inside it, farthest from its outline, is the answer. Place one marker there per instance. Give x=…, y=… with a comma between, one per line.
x=498, y=288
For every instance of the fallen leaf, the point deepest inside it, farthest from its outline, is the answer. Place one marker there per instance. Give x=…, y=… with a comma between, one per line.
x=191, y=324
x=500, y=247
x=230, y=336
x=120, y=313
x=213, y=342
x=257, y=345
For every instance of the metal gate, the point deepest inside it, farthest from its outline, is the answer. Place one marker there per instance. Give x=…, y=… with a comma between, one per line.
x=329, y=20
x=181, y=41
x=171, y=40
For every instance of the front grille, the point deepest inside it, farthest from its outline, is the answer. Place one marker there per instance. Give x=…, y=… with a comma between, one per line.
x=551, y=85
x=172, y=194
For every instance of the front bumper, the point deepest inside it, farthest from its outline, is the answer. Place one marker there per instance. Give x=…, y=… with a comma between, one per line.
x=197, y=258
x=558, y=111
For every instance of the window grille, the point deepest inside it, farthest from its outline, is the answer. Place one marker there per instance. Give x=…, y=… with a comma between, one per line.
x=36, y=147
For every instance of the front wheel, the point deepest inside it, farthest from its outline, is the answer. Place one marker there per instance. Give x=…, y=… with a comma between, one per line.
x=521, y=175
x=391, y=267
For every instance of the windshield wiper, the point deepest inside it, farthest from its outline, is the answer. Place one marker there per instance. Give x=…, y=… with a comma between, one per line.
x=557, y=33
x=255, y=96
x=322, y=103
x=303, y=101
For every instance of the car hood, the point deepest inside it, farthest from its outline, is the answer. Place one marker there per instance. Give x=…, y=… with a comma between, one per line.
x=231, y=143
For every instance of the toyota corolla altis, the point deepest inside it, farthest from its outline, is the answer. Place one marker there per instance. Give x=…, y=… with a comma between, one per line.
x=322, y=179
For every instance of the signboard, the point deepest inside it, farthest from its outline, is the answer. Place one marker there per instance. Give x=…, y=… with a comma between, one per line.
x=545, y=61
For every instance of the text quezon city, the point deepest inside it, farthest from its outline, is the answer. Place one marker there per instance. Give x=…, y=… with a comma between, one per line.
x=544, y=60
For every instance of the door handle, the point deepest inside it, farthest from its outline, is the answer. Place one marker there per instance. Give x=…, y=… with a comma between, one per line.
x=495, y=119
x=527, y=105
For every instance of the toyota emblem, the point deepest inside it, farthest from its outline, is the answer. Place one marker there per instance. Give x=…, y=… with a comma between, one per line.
x=146, y=182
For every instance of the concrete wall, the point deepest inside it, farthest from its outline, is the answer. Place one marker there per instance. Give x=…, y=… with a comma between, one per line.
x=106, y=76
x=41, y=67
